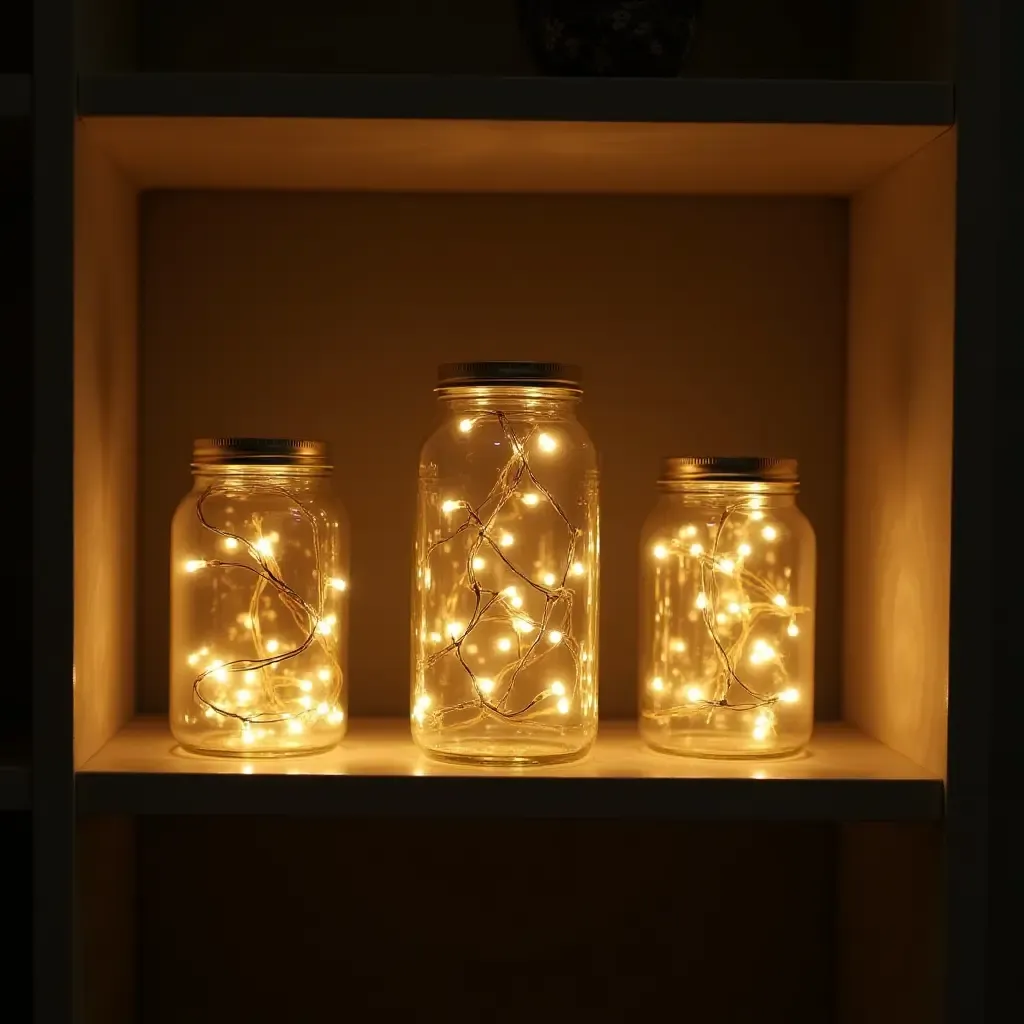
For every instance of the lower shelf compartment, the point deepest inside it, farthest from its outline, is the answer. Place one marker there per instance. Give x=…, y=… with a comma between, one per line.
x=377, y=771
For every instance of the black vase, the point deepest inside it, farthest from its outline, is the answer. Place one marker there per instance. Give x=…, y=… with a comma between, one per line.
x=626, y=38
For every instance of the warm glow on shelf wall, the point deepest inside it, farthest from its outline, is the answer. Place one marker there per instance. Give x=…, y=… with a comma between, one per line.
x=727, y=610
x=506, y=569
x=259, y=580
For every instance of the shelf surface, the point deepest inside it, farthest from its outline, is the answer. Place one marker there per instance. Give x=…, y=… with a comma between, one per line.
x=15, y=95
x=393, y=133
x=377, y=771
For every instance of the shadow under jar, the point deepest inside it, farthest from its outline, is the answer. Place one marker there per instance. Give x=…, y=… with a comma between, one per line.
x=259, y=617
x=727, y=590
x=505, y=588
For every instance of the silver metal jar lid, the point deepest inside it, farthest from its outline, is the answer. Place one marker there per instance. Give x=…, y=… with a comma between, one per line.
x=509, y=374
x=259, y=451
x=728, y=469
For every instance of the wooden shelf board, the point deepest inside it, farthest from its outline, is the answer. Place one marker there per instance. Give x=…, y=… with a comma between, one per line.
x=15, y=95
x=634, y=136
x=377, y=771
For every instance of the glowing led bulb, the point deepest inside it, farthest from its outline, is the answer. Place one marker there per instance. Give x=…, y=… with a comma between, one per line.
x=769, y=533
x=547, y=443
x=504, y=644
x=485, y=685
x=324, y=675
x=323, y=708
x=757, y=515
x=549, y=579
x=657, y=684
x=423, y=702
x=506, y=540
x=762, y=652
x=721, y=618
x=555, y=637
x=242, y=697
x=522, y=625
x=465, y=425
x=790, y=695
x=660, y=551
x=558, y=688
x=305, y=685
x=726, y=565
x=702, y=600
x=694, y=694
x=306, y=702
x=578, y=569
x=689, y=531
x=734, y=608
x=793, y=629
x=762, y=724
x=194, y=565
x=230, y=543
x=531, y=499
x=247, y=735
x=338, y=584
x=513, y=597
x=779, y=600
x=249, y=676
x=696, y=550
x=744, y=550
x=478, y=563
x=563, y=706
x=336, y=717
x=678, y=646
x=264, y=545
x=274, y=645
x=295, y=726
x=454, y=629
x=193, y=658
x=450, y=506
x=435, y=638
x=220, y=674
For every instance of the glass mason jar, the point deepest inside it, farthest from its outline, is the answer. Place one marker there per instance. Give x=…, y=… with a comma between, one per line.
x=505, y=589
x=727, y=579
x=259, y=617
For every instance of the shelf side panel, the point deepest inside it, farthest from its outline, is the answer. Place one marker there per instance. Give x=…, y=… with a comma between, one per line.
x=899, y=455
x=105, y=445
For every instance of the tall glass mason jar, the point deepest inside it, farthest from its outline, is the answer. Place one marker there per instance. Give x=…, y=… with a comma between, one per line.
x=727, y=584
x=505, y=588
x=259, y=616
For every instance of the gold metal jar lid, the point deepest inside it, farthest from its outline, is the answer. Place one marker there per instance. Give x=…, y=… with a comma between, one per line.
x=509, y=374
x=728, y=469
x=259, y=451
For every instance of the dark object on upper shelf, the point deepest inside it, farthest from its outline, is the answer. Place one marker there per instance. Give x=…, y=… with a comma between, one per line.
x=616, y=38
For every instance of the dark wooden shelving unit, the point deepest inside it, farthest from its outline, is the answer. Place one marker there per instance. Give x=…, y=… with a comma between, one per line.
x=812, y=212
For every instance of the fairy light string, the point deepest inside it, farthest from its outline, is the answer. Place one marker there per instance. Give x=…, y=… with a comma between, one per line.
x=752, y=599
x=551, y=630
x=277, y=705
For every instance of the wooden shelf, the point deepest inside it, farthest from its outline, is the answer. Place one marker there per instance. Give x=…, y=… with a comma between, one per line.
x=394, y=133
x=377, y=771
x=15, y=95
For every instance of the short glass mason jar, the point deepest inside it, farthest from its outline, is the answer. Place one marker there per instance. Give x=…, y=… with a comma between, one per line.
x=259, y=617
x=505, y=588
x=727, y=584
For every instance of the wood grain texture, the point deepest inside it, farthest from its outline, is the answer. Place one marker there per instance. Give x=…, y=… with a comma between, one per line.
x=703, y=326
x=309, y=153
x=106, y=282
x=485, y=921
x=899, y=456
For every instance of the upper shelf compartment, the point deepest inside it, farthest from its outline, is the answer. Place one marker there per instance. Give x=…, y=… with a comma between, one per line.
x=401, y=133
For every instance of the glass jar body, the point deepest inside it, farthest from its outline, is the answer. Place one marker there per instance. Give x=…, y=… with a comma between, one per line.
x=727, y=597
x=505, y=588
x=259, y=613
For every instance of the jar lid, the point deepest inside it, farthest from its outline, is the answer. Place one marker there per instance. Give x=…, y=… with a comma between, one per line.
x=510, y=374
x=259, y=451
x=728, y=469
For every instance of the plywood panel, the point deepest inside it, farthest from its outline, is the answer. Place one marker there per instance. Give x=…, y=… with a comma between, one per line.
x=704, y=326
x=105, y=446
x=898, y=466
x=473, y=921
x=395, y=154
